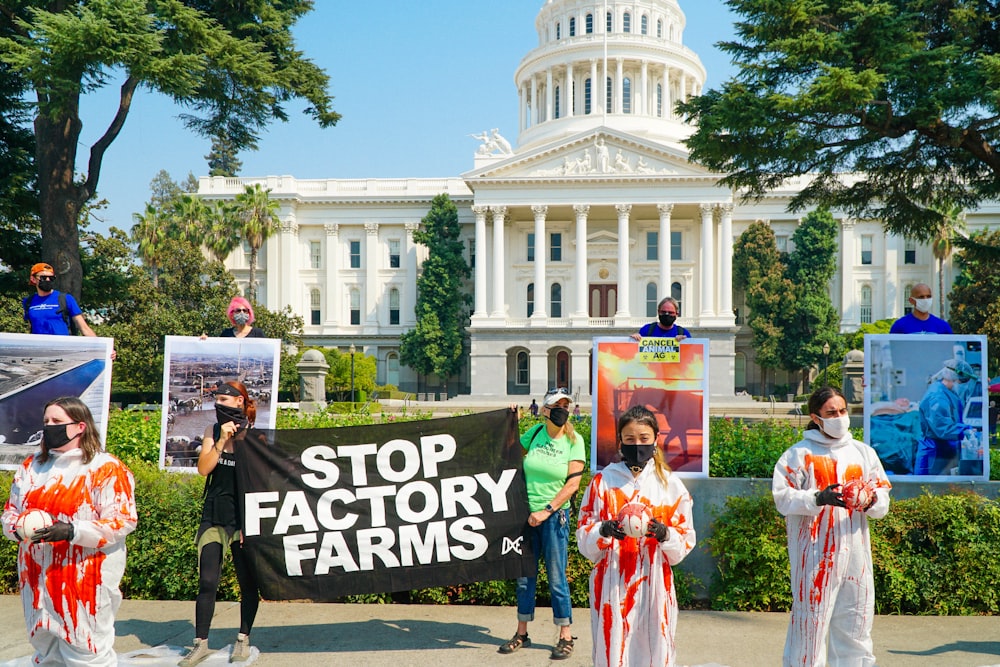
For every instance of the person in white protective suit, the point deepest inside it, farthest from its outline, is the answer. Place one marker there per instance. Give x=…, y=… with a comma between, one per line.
x=69, y=572
x=632, y=596
x=828, y=485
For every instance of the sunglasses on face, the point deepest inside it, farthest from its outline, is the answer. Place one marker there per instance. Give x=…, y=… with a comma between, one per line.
x=241, y=310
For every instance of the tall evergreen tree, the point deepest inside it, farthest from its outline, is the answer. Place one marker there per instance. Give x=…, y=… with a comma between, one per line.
x=222, y=159
x=435, y=346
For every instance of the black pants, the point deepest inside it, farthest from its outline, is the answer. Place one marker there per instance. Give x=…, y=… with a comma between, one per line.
x=209, y=572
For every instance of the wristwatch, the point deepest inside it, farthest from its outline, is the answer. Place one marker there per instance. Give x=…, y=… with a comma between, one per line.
x=550, y=508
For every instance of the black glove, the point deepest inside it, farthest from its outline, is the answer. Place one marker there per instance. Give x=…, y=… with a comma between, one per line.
x=613, y=529
x=831, y=496
x=60, y=531
x=656, y=530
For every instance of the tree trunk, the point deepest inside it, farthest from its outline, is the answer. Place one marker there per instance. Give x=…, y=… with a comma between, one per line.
x=253, y=274
x=60, y=199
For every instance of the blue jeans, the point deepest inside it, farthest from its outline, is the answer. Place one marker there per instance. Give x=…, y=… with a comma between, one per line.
x=550, y=541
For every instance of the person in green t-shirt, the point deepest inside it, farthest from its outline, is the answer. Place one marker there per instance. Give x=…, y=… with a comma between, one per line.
x=554, y=457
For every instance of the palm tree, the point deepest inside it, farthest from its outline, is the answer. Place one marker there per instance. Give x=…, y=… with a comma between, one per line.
x=189, y=215
x=952, y=222
x=222, y=231
x=151, y=233
x=258, y=219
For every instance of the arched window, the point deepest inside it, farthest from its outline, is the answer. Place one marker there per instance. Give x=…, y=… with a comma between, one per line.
x=557, y=102
x=651, y=299
x=907, y=306
x=677, y=293
x=562, y=369
x=627, y=95
x=530, y=298
x=559, y=31
x=586, y=96
x=315, y=315
x=393, y=306
x=522, y=369
x=355, y=307
x=392, y=369
x=659, y=28
x=866, y=304
x=609, y=22
x=589, y=27
x=572, y=26
x=740, y=372
x=644, y=25
x=555, y=300
x=659, y=99
x=627, y=22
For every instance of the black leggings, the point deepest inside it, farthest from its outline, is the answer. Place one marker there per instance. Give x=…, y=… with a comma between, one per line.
x=209, y=572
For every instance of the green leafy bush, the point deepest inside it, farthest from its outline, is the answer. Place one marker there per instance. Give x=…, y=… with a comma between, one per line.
x=748, y=449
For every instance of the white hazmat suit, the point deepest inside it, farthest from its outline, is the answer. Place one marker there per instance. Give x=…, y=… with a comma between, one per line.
x=69, y=590
x=633, y=602
x=833, y=589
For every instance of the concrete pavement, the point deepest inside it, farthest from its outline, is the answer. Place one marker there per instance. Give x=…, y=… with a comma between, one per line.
x=305, y=634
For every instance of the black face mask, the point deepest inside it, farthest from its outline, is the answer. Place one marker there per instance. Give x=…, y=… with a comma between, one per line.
x=54, y=436
x=45, y=284
x=558, y=416
x=636, y=456
x=667, y=321
x=225, y=413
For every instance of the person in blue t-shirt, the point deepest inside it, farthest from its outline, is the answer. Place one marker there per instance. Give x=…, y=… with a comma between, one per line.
x=665, y=326
x=920, y=320
x=44, y=311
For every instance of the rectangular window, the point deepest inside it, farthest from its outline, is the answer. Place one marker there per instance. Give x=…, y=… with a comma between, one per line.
x=586, y=96
x=676, y=245
x=910, y=252
x=315, y=259
x=393, y=253
x=781, y=241
x=608, y=23
x=355, y=307
x=355, y=254
x=572, y=26
x=394, y=306
x=555, y=251
x=246, y=252
x=314, y=307
x=652, y=246
x=866, y=248
x=590, y=24
x=531, y=246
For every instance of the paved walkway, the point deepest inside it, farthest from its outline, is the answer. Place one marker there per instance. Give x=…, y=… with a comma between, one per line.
x=303, y=635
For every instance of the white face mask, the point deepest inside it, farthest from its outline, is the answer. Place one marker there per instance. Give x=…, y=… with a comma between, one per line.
x=923, y=305
x=837, y=427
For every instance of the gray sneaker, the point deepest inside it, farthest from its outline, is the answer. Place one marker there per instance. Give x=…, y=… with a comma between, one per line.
x=197, y=653
x=241, y=649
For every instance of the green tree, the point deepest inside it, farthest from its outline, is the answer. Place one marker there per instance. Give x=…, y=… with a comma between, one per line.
x=974, y=304
x=898, y=93
x=19, y=229
x=233, y=66
x=151, y=235
x=942, y=244
x=812, y=320
x=221, y=233
x=759, y=271
x=222, y=159
x=258, y=219
x=435, y=346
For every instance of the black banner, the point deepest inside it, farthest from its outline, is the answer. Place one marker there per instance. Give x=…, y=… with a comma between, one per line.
x=391, y=507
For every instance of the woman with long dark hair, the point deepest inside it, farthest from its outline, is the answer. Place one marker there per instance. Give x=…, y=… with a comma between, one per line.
x=220, y=526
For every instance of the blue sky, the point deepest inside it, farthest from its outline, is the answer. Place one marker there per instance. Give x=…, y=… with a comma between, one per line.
x=411, y=84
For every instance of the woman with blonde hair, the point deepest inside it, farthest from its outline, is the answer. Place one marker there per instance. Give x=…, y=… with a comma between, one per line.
x=632, y=596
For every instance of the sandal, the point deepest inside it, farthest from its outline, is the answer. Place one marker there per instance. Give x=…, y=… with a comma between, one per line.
x=563, y=649
x=514, y=643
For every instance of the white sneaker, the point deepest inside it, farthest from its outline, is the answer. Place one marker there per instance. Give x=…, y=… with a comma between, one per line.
x=197, y=653
x=241, y=649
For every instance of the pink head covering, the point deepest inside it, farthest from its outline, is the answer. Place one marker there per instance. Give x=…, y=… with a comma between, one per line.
x=237, y=303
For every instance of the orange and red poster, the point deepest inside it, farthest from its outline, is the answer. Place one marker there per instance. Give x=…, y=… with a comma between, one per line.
x=673, y=386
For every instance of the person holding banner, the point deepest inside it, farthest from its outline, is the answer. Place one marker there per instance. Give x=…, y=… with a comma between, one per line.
x=220, y=524
x=827, y=486
x=554, y=457
x=666, y=324
x=240, y=314
x=633, y=615
x=69, y=570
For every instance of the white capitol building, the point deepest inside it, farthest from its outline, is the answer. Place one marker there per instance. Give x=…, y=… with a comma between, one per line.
x=574, y=230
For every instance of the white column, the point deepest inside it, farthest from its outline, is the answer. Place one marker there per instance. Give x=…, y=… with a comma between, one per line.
x=594, y=87
x=663, y=249
x=667, y=107
x=582, y=311
x=623, y=262
x=851, y=314
x=480, y=270
x=333, y=285
x=726, y=270
x=522, y=110
x=499, y=306
x=568, y=95
x=619, y=84
x=289, y=289
x=642, y=100
x=549, y=94
x=372, y=287
x=682, y=93
x=534, y=101
x=707, y=253
x=541, y=290
x=408, y=308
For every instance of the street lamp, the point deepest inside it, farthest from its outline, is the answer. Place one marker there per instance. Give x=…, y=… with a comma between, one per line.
x=826, y=361
x=352, y=350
